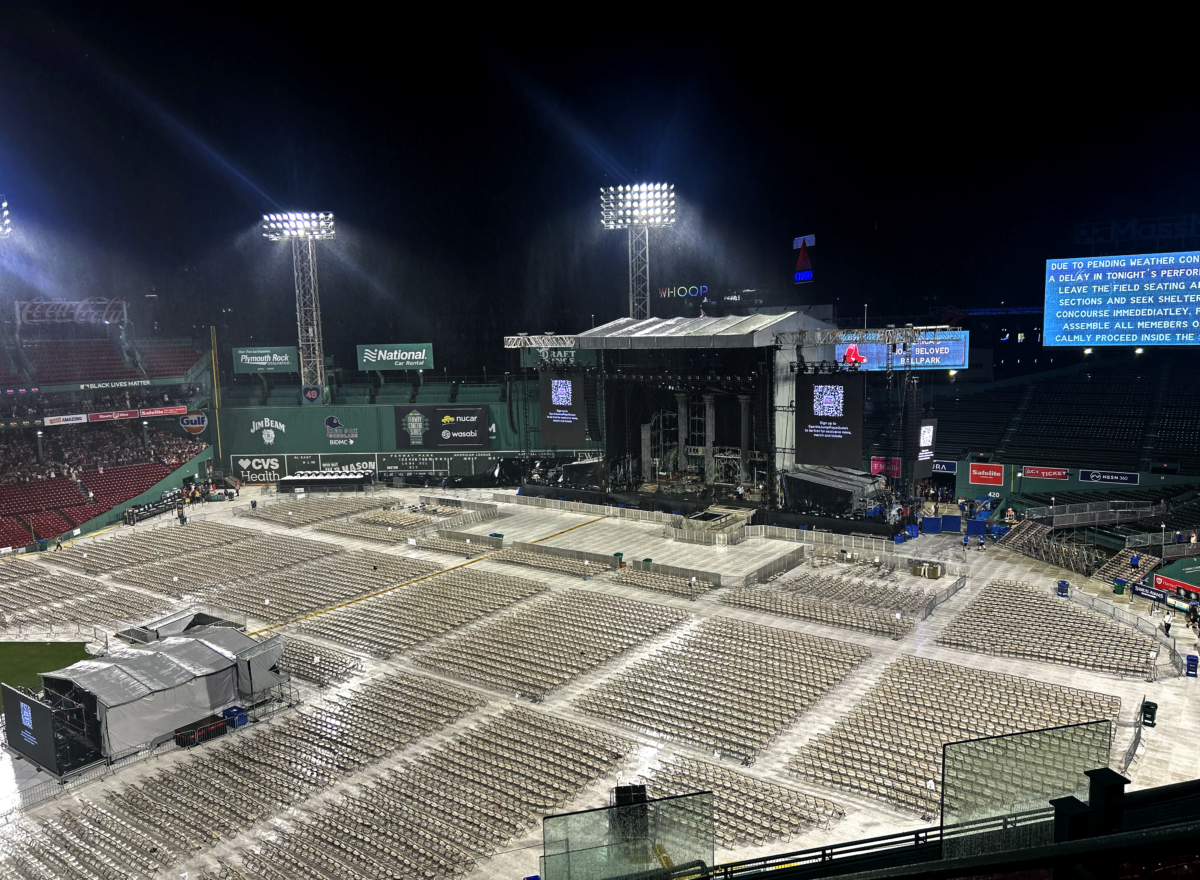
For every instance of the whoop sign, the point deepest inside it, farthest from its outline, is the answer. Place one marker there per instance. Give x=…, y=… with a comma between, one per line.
x=987, y=474
x=694, y=290
x=414, y=356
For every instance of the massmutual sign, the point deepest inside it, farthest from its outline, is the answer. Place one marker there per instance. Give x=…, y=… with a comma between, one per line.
x=281, y=359
x=396, y=356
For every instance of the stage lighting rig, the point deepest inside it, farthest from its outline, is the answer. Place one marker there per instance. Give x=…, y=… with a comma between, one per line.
x=5, y=220
x=304, y=229
x=637, y=208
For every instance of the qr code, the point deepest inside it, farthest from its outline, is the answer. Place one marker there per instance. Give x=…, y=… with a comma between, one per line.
x=827, y=400
x=926, y=436
x=26, y=715
x=560, y=392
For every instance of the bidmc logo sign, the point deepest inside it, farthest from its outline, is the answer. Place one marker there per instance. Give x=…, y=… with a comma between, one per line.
x=413, y=356
x=194, y=422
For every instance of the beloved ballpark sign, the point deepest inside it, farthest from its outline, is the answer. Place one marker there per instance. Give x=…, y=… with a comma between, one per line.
x=987, y=474
x=415, y=356
x=280, y=359
x=93, y=310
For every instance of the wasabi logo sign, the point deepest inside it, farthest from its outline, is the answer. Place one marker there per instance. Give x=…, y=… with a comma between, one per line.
x=415, y=356
x=283, y=359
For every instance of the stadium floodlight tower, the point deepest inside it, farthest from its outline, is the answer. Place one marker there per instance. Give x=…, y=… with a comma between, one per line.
x=637, y=208
x=5, y=220
x=304, y=229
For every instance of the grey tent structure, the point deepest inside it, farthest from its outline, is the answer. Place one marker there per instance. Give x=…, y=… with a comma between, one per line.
x=138, y=695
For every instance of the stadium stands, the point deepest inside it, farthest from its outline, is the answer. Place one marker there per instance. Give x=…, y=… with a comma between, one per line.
x=401, y=618
x=60, y=362
x=746, y=810
x=728, y=686
x=120, y=484
x=975, y=422
x=473, y=795
x=301, y=512
x=298, y=589
x=124, y=551
x=546, y=644
x=889, y=747
x=663, y=583
x=847, y=615
x=1014, y=619
x=165, y=360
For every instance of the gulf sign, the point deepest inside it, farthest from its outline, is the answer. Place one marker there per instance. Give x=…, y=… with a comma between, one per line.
x=194, y=422
x=986, y=474
x=1045, y=473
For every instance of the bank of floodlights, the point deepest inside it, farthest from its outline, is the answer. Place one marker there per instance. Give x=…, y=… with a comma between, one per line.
x=5, y=220
x=298, y=225
x=641, y=204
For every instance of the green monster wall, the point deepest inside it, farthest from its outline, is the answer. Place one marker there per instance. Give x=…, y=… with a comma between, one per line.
x=262, y=444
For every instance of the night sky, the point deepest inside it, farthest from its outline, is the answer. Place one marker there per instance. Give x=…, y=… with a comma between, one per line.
x=139, y=150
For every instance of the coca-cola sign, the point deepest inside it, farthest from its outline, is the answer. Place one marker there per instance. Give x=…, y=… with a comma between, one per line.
x=93, y=310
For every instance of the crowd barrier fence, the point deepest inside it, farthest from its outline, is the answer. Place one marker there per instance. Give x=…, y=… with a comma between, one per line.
x=1144, y=625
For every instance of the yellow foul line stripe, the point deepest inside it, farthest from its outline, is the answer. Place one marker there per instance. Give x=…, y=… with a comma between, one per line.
x=409, y=583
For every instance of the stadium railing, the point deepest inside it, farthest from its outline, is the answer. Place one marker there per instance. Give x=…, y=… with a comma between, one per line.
x=942, y=595
x=1145, y=626
x=908, y=847
x=53, y=632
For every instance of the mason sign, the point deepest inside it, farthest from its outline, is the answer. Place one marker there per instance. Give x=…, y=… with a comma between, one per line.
x=396, y=356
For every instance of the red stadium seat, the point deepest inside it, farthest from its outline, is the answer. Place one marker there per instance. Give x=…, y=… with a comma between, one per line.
x=49, y=524
x=122, y=483
x=39, y=495
x=80, y=360
x=166, y=360
x=13, y=533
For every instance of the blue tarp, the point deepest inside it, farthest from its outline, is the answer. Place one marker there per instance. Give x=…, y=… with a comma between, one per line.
x=951, y=523
x=976, y=527
x=931, y=525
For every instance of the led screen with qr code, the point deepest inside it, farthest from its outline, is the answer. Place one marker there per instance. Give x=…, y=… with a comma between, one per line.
x=829, y=432
x=562, y=417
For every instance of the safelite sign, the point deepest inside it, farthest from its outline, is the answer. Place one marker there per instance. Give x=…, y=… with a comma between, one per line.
x=987, y=474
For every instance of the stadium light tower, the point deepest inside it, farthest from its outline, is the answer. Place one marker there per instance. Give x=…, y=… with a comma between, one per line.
x=637, y=208
x=5, y=220
x=304, y=229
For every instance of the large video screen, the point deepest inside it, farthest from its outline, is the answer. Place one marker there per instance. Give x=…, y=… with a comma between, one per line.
x=1145, y=299
x=934, y=350
x=926, y=440
x=442, y=427
x=29, y=726
x=829, y=418
x=563, y=413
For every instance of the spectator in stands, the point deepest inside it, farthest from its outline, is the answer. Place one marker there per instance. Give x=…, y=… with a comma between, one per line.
x=1178, y=537
x=1193, y=539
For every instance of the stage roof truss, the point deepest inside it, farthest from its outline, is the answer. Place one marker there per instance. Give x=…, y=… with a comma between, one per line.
x=881, y=336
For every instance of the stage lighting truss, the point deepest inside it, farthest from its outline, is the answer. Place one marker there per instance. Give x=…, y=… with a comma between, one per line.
x=5, y=220
x=314, y=226
x=642, y=204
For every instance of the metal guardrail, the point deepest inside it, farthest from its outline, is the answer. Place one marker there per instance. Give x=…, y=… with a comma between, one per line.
x=1146, y=626
x=911, y=843
x=1144, y=508
x=942, y=595
x=1131, y=752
